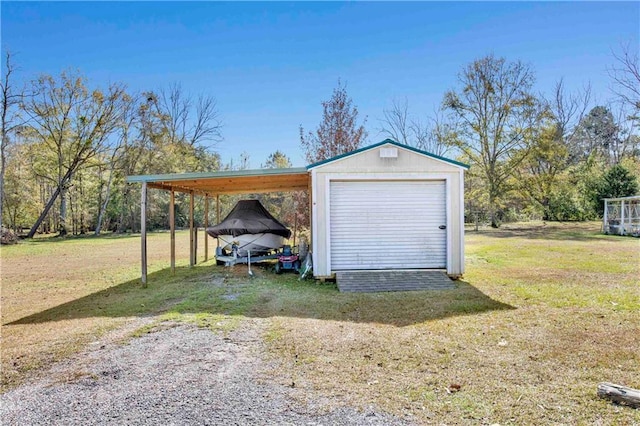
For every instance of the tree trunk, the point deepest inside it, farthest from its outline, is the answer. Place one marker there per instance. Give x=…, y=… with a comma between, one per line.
x=65, y=179
x=3, y=141
x=493, y=215
x=3, y=163
x=494, y=219
x=132, y=219
x=105, y=203
x=124, y=211
x=619, y=394
x=44, y=213
x=80, y=207
x=62, y=226
x=73, y=209
x=493, y=209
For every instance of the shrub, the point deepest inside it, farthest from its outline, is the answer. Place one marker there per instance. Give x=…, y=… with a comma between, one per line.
x=8, y=237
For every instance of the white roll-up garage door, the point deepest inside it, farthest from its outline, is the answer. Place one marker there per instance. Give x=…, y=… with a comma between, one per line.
x=388, y=225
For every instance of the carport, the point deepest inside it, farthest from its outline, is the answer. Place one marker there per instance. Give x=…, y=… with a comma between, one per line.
x=384, y=207
x=211, y=185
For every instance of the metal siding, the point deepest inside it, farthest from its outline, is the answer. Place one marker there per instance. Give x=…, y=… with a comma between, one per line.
x=368, y=221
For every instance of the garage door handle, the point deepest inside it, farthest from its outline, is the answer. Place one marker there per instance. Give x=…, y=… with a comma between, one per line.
x=442, y=226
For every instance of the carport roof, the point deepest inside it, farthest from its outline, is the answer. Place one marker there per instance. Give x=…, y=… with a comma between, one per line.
x=256, y=180
x=229, y=181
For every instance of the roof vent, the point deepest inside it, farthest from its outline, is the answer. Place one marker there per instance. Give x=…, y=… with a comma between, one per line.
x=389, y=152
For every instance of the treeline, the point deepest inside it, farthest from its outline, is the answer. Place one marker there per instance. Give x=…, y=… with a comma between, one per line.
x=548, y=157
x=67, y=147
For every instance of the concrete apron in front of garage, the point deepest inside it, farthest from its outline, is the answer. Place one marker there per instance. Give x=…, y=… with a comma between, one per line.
x=393, y=280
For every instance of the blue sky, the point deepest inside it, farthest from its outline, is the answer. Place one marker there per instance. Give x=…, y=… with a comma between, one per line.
x=270, y=65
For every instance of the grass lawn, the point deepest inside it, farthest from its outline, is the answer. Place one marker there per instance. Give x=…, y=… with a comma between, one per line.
x=543, y=314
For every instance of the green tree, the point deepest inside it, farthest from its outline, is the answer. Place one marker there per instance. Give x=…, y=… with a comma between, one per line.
x=594, y=135
x=338, y=132
x=277, y=160
x=544, y=175
x=616, y=182
x=20, y=202
x=280, y=204
x=541, y=170
x=498, y=117
x=113, y=161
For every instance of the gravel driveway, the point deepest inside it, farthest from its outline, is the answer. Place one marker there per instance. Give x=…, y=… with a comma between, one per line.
x=177, y=375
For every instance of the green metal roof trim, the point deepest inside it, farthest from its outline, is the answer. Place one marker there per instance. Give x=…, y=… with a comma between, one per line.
x=266, y=172
x=221, y=174
x=392, y=142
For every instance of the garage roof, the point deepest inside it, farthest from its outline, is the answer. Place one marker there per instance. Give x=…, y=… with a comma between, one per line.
x=390, y=142
x=230, y=181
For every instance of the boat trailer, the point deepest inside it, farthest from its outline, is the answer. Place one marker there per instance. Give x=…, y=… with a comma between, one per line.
x=234, y=259
x=286, y=258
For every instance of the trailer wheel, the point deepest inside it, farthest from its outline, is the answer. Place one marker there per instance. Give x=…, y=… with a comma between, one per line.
x=278, y=268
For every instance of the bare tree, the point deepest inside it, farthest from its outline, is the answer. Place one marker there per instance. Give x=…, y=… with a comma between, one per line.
x=626, y=141
x=175, y=106
x=432, y=137
x=625, y=74
x=10, y=118
x=207, y=125
x=498, y=117
x=396, y=123
x=73, y=126
x=177, y=109
x=338, y=132
x=568, y=109
x=438, y=136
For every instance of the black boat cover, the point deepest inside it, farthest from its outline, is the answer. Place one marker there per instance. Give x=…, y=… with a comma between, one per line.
x=249, y=217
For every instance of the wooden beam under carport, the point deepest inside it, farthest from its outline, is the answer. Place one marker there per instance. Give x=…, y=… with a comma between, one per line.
x=206, y=225
x=217, y=220
x=143, y=232
x=226, y=189
x=172, y=229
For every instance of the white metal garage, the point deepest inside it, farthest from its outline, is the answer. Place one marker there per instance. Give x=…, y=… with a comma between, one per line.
x=388, y=225
x=387, y=206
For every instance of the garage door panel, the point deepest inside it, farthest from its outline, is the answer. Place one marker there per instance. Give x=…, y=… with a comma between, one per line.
x=387, y=224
